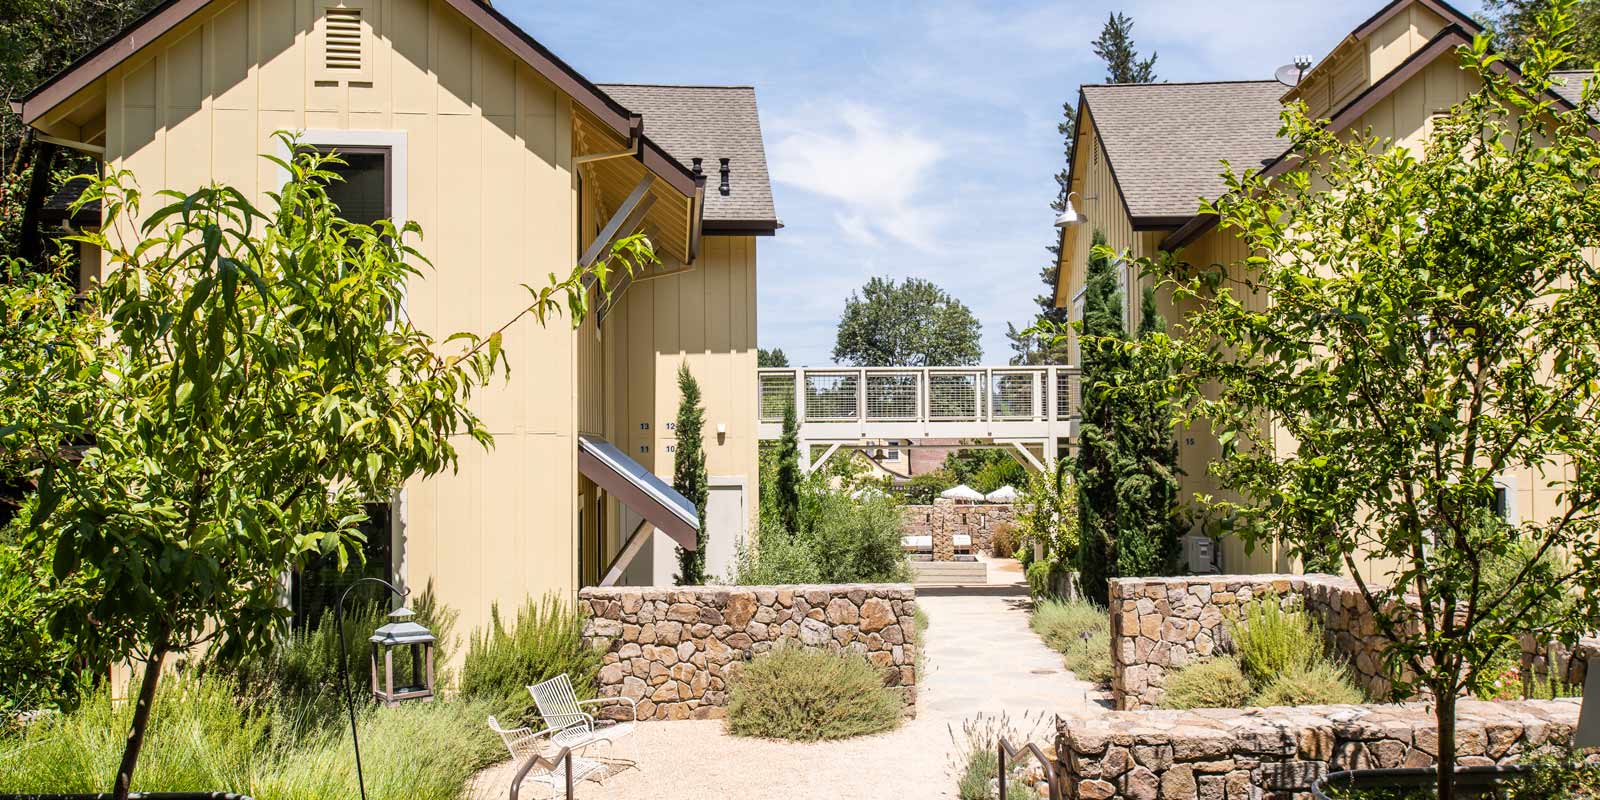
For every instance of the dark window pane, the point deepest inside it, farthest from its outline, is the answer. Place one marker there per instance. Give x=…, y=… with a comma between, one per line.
x=363, y=195
x=315, y=589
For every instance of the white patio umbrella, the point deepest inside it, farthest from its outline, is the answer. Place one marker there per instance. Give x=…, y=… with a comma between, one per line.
x=1004, y=494
x=962, y=492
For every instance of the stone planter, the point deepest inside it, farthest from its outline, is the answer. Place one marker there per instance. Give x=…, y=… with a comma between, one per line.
x=1471, y=782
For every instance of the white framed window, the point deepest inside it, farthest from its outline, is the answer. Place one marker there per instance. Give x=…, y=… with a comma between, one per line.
x=1505, y=499
x=375, y=188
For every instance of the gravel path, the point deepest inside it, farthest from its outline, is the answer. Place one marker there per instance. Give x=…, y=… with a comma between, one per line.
x=981, y=659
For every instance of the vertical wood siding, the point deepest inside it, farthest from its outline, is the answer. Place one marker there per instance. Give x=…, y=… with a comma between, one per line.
x=490, y=181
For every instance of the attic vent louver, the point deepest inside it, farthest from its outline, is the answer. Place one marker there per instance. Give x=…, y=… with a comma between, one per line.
x=724, y=188
x=341, y=49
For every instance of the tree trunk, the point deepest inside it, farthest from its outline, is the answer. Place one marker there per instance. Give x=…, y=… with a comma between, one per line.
x=1445, y=715
x=141, y=719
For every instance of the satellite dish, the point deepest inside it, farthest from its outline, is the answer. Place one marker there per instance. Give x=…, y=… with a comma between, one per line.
x=1290, y=74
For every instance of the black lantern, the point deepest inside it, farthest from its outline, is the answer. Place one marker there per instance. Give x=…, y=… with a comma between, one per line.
x=403, y=635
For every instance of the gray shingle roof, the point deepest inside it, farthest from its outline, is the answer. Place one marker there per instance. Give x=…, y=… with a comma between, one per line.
x=1166, y=141
x=1572, y=88
x=709, y=122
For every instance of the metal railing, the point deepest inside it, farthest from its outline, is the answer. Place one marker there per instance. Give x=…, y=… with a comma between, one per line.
x=910, y=394
x=1007, y=753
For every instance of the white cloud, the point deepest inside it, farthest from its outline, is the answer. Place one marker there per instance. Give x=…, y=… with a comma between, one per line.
x=876, y=171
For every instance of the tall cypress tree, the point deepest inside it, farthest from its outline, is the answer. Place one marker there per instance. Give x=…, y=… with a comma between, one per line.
x=1096, y=470
x=1148, y=528
x=787, y=492
x=689, y=473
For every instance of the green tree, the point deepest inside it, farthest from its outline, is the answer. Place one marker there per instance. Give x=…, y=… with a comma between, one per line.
x=1115, y=46
x=1433, y=325
x=1101, y=335
x=38, y=38
x=256, y=381
x=771, y=358
x=910, y=324
x=1513, y=22
x=1149, y=530
x=689, y=472
x=985, y=468
x=786, y=489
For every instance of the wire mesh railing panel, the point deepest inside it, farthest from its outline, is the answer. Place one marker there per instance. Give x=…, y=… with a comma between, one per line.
x=892, y=396
x=955, y=396
x=1068, y=400
x=832, y=396
x=775, y=391
x=1011, y=395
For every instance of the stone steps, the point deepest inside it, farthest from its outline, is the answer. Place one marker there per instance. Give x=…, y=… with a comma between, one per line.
x=945, y=573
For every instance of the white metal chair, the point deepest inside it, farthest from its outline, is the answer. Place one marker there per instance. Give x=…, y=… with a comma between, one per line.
x=563, y=713
x=550, y=772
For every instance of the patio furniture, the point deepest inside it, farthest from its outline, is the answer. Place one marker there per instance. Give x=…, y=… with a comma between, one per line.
x=573, y=727
x=963, y=543
x=917, y=544
x=526, y=749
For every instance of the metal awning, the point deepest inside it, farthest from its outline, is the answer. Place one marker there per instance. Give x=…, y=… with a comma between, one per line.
x=639, y=489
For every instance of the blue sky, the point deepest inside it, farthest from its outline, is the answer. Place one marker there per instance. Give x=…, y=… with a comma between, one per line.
x=916, y=139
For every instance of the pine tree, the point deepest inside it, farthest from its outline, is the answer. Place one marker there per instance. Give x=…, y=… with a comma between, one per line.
x=787, y=490
x=1115, y=47
x=1096, y=471
x=1149, y=530
x=689, y=472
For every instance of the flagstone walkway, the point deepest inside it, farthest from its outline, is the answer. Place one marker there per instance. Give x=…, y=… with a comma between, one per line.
x=981, y=658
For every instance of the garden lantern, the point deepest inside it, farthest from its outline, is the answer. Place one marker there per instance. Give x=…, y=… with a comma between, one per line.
x=409, y=638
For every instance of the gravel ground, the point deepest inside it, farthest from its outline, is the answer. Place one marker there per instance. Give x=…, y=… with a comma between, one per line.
x=981, y=659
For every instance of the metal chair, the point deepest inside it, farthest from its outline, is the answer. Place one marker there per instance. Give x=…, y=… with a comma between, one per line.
x=563, y=713
x=551, y=772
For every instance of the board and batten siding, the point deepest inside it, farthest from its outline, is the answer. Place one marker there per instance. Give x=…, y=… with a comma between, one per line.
x=704, y=317
x=488, y=160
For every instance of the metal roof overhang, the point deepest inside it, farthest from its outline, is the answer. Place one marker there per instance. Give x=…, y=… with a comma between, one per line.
x=639, y=489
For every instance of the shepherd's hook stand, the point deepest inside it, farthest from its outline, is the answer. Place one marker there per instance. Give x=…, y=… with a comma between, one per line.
x=344, y=669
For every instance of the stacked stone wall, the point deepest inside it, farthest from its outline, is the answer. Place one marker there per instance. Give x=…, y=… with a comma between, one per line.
x=674, y=650
x=1162, y=624
x=1276, y=753
x=946, y=518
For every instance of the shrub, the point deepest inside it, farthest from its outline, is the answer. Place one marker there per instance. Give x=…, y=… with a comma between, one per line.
x=1081, y=632
x=922, y=489
x=976, y=759
x=1271, y=641
x=418, y=751
x=546, y=641
x=1040, y=580
x=301, y=672
x=1003, y=543
x=40, y=671
x=1322, y=683
x=806, y=695
x=857, y=541
x=776, y=557
x=1218, y=683
x=203, y=738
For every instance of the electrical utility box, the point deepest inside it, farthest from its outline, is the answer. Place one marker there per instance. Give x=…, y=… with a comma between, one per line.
x=1200, y=553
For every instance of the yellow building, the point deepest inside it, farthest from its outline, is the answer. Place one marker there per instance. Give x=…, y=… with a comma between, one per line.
x=1144, y=155
x=515, y=166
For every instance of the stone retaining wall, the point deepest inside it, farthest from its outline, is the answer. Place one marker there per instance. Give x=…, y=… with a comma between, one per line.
x=1162, y=624
x=674, y=649
x=946, y=518
x=1275, y=753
